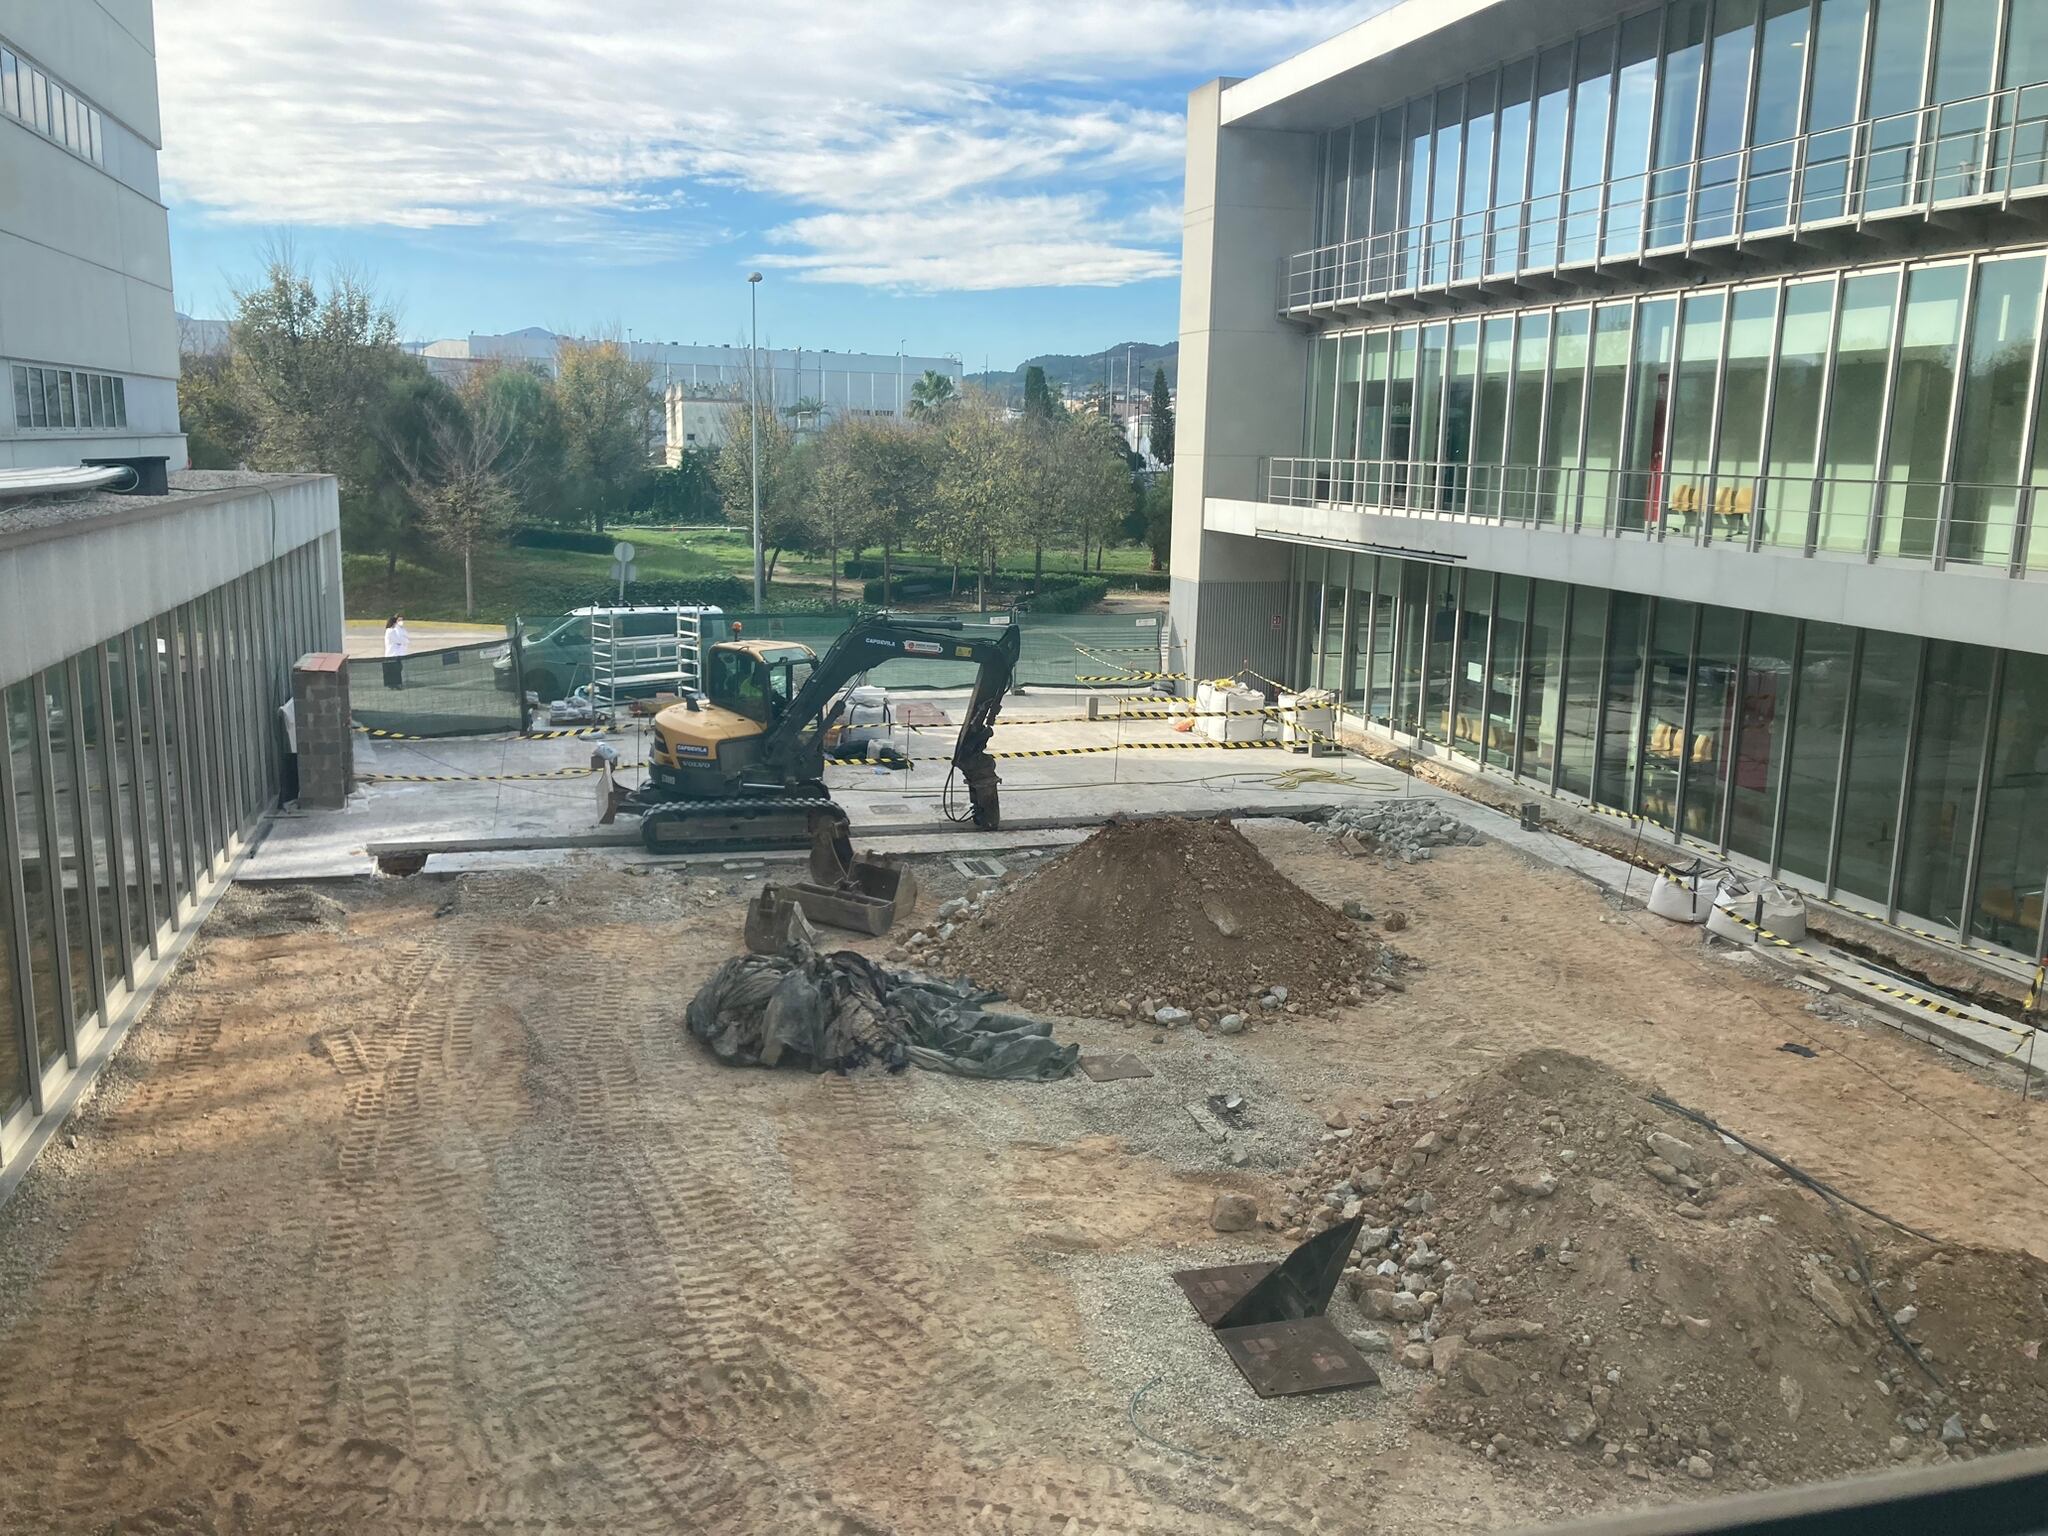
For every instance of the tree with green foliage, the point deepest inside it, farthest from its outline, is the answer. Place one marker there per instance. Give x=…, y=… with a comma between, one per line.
x=218, y=431
x=932, y=396
x=379, y=515
x=309, y=367
x=683, y=492
x=785, y=498
x=606, y=410
x=1094, y=488
x=1039, y=404
x=317, y=383
x=899, y=464
x=982, y=494
x=522, y=399
x=1162, y=419
x=844, y=496
x=1158, y=505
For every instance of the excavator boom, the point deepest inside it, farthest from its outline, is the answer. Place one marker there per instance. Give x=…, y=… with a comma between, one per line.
x=871, y=642
x=729, y=778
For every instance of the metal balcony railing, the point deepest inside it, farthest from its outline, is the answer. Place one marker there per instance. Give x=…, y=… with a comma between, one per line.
x=1941, y=522
x=1987, y=149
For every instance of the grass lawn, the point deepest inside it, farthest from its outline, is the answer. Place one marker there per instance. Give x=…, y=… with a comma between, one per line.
x=507, y=578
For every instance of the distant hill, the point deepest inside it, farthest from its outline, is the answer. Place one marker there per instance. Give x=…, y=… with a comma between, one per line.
x=1077, y=374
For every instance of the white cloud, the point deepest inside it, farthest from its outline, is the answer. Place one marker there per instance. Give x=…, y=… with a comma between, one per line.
x=974, y=243
x=918, y=145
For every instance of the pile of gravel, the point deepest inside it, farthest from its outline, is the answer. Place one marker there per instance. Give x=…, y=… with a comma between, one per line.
x=1405, y=829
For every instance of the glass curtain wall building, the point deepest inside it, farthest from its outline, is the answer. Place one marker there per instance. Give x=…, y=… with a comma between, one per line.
x=142, y=745
x=1672, y=419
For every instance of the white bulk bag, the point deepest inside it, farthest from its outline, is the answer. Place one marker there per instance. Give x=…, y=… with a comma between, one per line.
x=1764, y=903
x=1685, y=893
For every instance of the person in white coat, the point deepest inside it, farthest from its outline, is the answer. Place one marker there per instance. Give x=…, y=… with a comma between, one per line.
x=395, y=642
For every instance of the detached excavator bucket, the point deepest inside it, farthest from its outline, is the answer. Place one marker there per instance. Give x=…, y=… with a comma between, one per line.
x=873, y=895
x=847, y=890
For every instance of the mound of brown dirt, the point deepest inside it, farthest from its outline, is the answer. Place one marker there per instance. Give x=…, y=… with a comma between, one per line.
x=1181, y=913
x=1588, y=1275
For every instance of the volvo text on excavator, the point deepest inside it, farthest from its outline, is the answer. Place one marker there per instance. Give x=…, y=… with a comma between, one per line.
x=743, y=761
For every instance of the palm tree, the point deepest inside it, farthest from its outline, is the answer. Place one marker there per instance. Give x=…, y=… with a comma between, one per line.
x=932, y=395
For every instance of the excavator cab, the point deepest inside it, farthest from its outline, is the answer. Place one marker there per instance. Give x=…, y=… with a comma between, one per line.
x=757, y=679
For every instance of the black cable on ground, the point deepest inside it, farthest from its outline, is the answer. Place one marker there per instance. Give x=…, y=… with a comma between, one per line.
x=1918, y=1103
x=1834, y=1200
x=1790, y=1170
x=1870, y=1285
x=1144, y=1434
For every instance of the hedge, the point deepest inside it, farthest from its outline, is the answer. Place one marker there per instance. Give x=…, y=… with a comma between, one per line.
x=728, y=592
x=579, y=540
x=1070, y=598
x=1058, y=588
x=921, y=571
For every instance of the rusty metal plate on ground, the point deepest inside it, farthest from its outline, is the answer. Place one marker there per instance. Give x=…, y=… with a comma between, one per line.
x=1216, y=1290
x=1306, y=1355
x=1108, y=1069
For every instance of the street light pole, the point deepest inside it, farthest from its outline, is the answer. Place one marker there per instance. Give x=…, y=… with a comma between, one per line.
x=754, y=421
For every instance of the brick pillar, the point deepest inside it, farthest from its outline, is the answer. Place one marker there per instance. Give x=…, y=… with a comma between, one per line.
x=327, y=752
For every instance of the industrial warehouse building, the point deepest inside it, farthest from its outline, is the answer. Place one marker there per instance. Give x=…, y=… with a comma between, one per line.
x=1644, y=404
x=146, y=641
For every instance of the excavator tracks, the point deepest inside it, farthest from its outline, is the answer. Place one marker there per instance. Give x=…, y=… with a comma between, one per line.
x=765, y=821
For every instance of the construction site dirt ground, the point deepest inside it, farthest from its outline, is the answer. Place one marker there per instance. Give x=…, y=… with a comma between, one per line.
x=412, y=1207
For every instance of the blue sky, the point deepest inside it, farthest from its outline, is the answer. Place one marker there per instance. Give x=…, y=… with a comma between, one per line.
x=996, y=179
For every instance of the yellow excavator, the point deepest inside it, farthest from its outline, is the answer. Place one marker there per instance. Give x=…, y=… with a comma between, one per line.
x=743, y=759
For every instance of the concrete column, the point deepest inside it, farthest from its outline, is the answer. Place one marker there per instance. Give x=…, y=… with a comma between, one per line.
x=327, y=752
x=1250, y=201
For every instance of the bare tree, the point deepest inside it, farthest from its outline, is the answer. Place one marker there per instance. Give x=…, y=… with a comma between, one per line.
x=464, y=478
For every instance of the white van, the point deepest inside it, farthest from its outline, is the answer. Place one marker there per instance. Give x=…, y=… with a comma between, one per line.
x=645, y=656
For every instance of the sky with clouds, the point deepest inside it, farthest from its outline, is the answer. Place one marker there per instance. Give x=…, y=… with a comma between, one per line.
x=986, y=179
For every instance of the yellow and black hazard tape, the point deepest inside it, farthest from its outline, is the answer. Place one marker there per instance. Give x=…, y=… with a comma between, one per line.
x=580, y=733
x=2034, y=992
x=1137, y=746
x=2020, y=1033
x=1607, y=810
x=1919, y=933
x=1133, y=677
x=487, y=778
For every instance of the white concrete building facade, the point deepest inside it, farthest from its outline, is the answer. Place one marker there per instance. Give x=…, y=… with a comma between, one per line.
x=866, y=382
x=1644, y=403
x=146, y=640
x=88, y=346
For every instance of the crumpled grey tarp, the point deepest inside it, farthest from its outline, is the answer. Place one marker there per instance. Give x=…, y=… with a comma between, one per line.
x=840, y=1010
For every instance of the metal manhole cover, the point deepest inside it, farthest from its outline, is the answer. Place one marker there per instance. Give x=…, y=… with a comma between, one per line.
x=1306, y=1355
x=980, y=869
x=1214, y=1291
x=1109, y=1069
x=1270, y=1318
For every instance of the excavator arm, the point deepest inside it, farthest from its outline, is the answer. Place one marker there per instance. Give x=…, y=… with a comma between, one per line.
x=873, y=641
